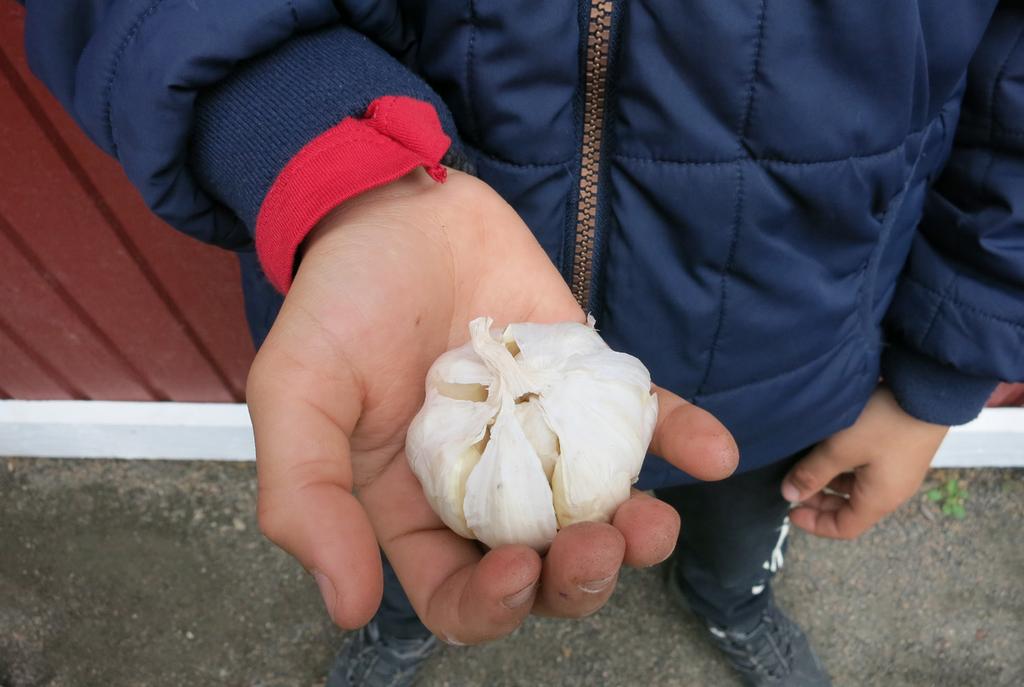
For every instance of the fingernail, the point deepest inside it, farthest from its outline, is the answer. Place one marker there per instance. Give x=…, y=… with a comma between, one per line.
x=663, y=559
x=326, y=591
x=451, y=641
x=596, y=586
x=790, y=493
x=522, y=596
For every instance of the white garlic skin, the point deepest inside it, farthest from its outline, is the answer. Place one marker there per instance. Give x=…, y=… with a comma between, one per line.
x=530, y=429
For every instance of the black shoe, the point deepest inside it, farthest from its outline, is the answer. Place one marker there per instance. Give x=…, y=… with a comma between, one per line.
x=771, y=652
x=774, y=651
x=373, y=660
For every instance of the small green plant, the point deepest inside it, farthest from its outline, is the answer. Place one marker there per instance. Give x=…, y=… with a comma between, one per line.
x=952, y=496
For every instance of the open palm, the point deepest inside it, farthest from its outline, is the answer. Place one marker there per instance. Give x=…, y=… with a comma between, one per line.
x=388, y=283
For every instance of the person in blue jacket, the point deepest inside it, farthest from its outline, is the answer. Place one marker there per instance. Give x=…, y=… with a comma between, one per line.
x=775, y=205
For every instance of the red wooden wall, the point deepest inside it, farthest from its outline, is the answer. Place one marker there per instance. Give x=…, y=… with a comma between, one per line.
x=98, y=298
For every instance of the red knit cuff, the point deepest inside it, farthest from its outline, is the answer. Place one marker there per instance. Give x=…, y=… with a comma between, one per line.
x=397, y=135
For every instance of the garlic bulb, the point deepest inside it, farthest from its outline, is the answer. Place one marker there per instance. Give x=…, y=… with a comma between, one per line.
x=530, y=429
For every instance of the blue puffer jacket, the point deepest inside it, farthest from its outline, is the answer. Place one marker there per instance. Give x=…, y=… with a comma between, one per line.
x=768, y=201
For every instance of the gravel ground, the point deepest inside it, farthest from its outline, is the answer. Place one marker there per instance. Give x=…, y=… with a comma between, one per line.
x=144, y=573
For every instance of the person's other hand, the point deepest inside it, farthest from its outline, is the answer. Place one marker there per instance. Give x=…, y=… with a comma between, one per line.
x=872, y=467
x=387, y=283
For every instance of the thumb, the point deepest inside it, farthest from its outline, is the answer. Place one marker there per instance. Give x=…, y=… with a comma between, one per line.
x=326, y=529
x=810, y=475
x=306, y=505
x=692, y=439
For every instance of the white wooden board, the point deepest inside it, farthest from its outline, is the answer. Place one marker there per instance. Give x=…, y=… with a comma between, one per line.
x=222, y=431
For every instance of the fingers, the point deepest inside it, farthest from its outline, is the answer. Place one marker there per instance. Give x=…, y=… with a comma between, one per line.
x=824, y=514
x=486, y=600
x=692, y=439
x=650, y=528
x=582, y=566
x=466, y=598
x=843, y=515
x=305, y=503
x=824, y=502
x=810, y=475
x=842, y=484
x=834, y=520
x=580, y=570
x=462, y=596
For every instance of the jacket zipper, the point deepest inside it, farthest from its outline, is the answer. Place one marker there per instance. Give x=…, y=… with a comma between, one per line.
x=594, y=91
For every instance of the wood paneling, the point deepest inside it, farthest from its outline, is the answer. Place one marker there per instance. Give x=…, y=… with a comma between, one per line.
x=1008, y=395
x=38, y=311
x=26, y=375
x=110, y=299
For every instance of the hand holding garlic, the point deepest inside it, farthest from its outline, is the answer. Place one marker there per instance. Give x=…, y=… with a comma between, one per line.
x=529, y=430
x=386, y=285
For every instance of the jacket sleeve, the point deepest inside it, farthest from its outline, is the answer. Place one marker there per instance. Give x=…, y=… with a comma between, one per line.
x=956, y=324
x=207, y=105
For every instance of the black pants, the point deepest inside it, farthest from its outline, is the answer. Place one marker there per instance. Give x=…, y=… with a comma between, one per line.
x=731, y=543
